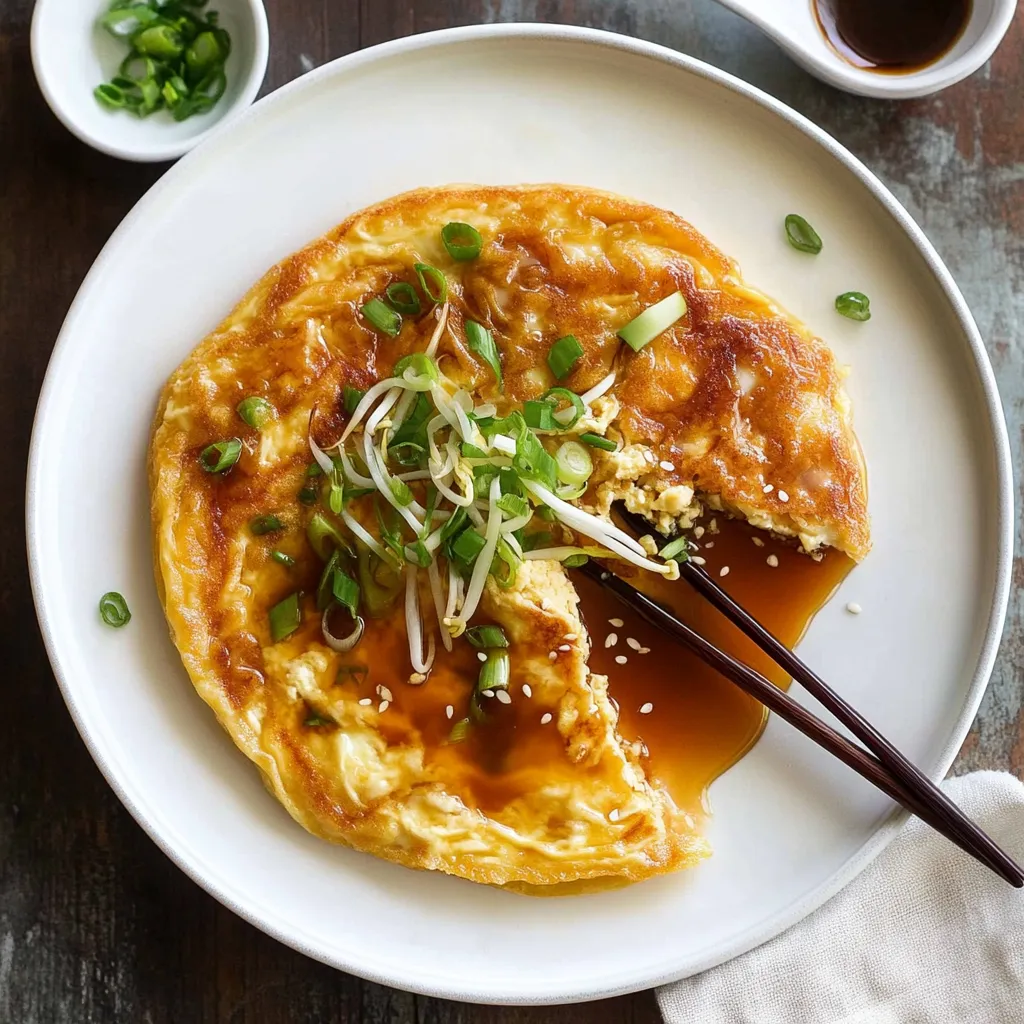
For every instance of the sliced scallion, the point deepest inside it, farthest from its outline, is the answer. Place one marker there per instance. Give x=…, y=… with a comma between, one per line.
x=418, y=370
x=345, y=591
x=114, y=609
x=801, y=235
x=307, y=495
x=324, y=594
x=596, y=441
x=402, y=492
x=260, y=525
x=494, y=672
x=467, y=546
x=575, y=561
x=402, y=298
x=513, y=505
x=282, y=559
x=487, y=636
x=255, y=412
x=460, y=731
x=566, y=418
x=532, y=460
x=540, y=415
x=574, y=463
x=221, y=455
x=481, y=341
x=854, y=306
x=433, y=283
x=563, y=356
x=353, y=396
x=653, y=320
x=285, y=617
x=676, y=550
x=382, y=317
x=462, y=241
x=324, y=537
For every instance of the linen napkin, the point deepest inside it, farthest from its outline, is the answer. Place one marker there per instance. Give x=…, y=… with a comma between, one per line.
x=925, y=935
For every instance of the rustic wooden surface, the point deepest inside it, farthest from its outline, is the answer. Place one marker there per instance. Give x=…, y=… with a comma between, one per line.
x=96, y=925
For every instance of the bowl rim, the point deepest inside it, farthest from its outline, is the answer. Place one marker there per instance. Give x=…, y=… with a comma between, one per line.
x=186, y=859
x=149, y=152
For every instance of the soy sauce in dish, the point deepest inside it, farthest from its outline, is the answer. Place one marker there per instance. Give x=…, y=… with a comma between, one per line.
x=892, y=36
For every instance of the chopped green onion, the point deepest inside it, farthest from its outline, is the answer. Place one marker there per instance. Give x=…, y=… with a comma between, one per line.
x=596, y=441
x=203, y=55
x=575, y=561
x=282, y=559
x=308, y=495
x=460, y=730
x=481, y=341
x=487, y=636
x=285, y=618
x=554, y=395
x=494, y=672
x=539, y=539
x=545, y=513
x=160, y=41
x=260, y=525
x=513, y=505
x=255, y=412
x=353, y=396
x=676, y=550
x=383, y=317
x=402, y=492
x=454, y=524
x=801, y=235
x=505, y=556
x=532, y=459
x=314, y=720
x=313, y=469
x=467, y=546
x=427, y=276
x=114, y=609
x=402, y=298
x=419, y=554
x=563, y=356
x=351, y=493
x=221, y=455
x=110, y=96
x=324, y=537
x=462, y=241
x=574, y=463
x=334, y=487
x=345, y=591
x=540, y=416
x=470, y=451
x=126, y=21
x=854, y=306
x=653, y=320
x=324, y=595
x=424, y=371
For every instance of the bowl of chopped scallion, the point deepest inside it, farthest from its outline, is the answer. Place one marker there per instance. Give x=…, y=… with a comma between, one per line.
x=147, y=80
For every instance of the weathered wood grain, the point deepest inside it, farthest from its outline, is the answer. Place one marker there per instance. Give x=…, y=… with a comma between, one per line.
x=95, y=924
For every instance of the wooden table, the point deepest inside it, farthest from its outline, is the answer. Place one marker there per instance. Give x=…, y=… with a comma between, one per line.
x=96, y=925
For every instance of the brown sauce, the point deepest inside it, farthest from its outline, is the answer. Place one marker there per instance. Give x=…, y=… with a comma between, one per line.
x=700, y=724
x=892, y=36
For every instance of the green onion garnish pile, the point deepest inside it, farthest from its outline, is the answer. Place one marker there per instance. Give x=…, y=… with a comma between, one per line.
x=175, y=61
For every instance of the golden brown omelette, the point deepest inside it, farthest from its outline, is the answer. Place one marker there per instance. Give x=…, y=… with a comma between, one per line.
x=369, y=481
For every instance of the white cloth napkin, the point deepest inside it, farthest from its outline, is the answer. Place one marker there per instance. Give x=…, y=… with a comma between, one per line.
x=924, y=936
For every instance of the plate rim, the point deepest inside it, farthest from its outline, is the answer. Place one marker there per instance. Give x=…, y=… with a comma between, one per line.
x=190, y=862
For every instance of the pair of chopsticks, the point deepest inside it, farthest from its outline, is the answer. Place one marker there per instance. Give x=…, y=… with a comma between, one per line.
x=881, y=763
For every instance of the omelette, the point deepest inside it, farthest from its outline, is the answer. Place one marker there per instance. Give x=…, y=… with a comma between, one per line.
x=371, y=482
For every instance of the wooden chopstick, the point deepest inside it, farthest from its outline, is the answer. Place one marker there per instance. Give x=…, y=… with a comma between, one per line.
x=944, y=816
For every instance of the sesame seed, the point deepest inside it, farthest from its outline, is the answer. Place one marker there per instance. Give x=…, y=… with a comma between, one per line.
x=605, y=575
x=713, y=526
x=648, y=455
x=503, y=697
x=620, y=659
x=366, y=702
x=783, y=496
x=480, y=656
x=383, y=706
x=667, y=466
x=768, y=488
x=552, y=655
x=385, y=693
x=758, y=543
x=449, y=711
x=853, y=608
x=486, y=693
x=646, y=709
x=527, y=690
x=565, y=647
x=724, y=571
x=617, y=623
x=545, y=718
x=698, y=532
x=569, y=636
x=611, y=639
x=710, y=544
x=697, y=560
x=633, y=642
x=773, y=561
x=613, y=814
x=643, y=650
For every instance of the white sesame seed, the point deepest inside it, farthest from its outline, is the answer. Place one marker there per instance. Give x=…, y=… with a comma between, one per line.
x=565, y=647
x=552, y=655
x=617, y=623
x=527, y=690
x=503, y=697
x=724, y=571
x=449, y=711
x=613, y=814
x=620, y=659
x=853, y=608
x=611, y=639
x=569, y=636
x=758, y=543
x=783, y=496
x=698, y=532
x=486, y=693
x=386, y=694
x=633, y=642
x=768, y=488
x=480, y=656
x=697, y=560
x=648, y=455
x=605, y=575
x=646, y=709
x=366, y=702
x=710, y=544
x=773, y=561
x=713, y=526
x=643, y=650
x=545, y=718
x=667, y=466
x=383, y=706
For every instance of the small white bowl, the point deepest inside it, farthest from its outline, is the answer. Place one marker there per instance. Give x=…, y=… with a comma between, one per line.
x=794, y=26
x=72, y=54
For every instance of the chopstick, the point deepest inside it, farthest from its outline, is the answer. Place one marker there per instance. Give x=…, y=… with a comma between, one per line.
x=884, y=766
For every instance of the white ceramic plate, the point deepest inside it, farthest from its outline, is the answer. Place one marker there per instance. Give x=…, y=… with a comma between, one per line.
x=528, y=104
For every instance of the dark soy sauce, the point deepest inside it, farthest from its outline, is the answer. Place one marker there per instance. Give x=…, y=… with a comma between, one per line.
x=893, y=36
